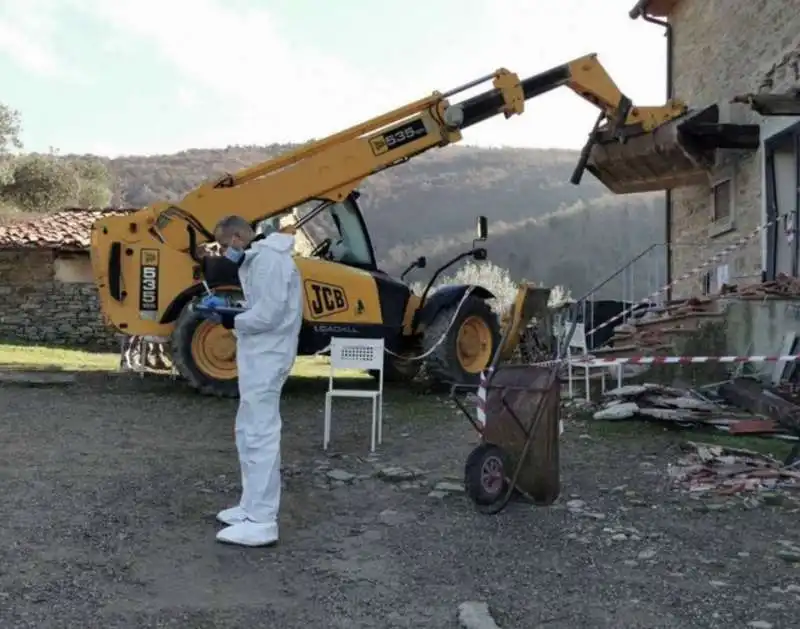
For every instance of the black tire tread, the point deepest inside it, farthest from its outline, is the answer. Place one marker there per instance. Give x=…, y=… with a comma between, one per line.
x=180, y=345
x=472, y=474
x=441, y=364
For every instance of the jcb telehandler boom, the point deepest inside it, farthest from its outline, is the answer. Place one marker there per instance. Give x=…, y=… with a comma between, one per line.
x=148, y=271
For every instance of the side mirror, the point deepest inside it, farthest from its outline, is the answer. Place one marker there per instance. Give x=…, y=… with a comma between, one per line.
x=483, y=228
x=419, y=263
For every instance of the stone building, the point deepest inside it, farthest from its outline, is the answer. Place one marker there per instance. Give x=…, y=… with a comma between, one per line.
x=48, y=293
x=718, y=50
x=46, y=281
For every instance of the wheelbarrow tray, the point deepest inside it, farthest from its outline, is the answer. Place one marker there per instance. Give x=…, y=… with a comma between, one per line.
x=523, y=404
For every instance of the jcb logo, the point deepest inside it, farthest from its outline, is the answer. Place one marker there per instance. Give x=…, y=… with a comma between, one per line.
x=325, y=299
x=149, y=257
x=379, y=146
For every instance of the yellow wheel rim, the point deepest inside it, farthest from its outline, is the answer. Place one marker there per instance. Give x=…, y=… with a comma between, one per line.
x=474, y=344
x=214, y=351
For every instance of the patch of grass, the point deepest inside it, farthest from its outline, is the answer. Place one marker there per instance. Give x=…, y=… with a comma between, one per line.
x=54, y=358
x=319, y=367
x=644, y=430
x=51, y=358
x=310, y=377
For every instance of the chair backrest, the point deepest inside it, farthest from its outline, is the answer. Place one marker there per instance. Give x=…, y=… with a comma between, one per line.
x=352, y=353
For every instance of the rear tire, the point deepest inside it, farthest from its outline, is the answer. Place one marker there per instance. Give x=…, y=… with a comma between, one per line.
x=205, y=355
x=469, y=346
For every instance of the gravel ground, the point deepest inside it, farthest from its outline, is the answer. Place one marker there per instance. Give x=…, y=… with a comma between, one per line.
x=110, y=488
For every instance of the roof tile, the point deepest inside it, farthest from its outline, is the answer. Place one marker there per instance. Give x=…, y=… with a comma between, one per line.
x=67, y=229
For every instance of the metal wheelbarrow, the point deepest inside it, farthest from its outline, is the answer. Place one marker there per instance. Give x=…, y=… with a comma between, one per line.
x=519, y=427
x=518, y=420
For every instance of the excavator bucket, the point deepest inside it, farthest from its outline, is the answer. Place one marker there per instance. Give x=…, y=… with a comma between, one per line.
x=531, y=301
x=677, y=153
x=657, y=160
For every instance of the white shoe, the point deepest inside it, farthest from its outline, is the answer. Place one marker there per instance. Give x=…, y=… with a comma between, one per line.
x=234, y=515
x=249, y=533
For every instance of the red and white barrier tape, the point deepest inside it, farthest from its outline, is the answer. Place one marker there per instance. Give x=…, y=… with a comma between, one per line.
x=717, y=257
x=681, y=360
x=481, y=403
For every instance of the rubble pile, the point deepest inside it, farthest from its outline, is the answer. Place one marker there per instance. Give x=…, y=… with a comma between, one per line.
x=782, y=287
x=721, y=470
x=667, y=404
x=659, y=328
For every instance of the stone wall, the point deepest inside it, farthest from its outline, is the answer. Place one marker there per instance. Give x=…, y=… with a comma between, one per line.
x=38, y=308
x=724, y=48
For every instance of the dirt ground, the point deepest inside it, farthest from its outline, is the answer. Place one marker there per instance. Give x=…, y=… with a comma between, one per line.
x=109, y=490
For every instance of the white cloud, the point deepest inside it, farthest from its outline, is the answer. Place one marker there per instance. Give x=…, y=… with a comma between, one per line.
x=254, y=84
x=24, y=36
x=186, y=97
x=273, y=89
x=28, y=30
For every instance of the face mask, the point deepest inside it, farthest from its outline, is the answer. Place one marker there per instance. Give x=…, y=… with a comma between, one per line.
x=234, y=255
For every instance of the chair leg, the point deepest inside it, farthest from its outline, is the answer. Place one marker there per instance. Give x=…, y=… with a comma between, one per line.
x=380, y=418
x=586, y=383
x=374, y=424
x=569, y=377
x=326, y=431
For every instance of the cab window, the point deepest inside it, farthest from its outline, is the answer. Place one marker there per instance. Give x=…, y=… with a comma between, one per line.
x=339, y=222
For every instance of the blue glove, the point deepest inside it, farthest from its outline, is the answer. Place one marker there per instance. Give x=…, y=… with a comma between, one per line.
x=217, y=309
x=212, y=302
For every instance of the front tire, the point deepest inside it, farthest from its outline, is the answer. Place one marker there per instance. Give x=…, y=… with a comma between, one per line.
x=204, y=353
x=468, y=346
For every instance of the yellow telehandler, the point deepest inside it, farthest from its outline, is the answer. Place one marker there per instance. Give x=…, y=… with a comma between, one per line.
x=149, y=269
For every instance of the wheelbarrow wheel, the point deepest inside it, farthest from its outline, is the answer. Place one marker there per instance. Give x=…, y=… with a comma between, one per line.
x=485, y=475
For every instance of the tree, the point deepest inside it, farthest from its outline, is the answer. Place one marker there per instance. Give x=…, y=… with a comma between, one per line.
x=94, y=182
x=41, y=183
x=45, y=182
x=9, y=140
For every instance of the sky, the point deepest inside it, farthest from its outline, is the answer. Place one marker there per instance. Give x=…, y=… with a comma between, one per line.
x=115, y=77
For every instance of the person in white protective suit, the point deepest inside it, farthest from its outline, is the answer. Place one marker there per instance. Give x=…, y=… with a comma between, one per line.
x=266, y=346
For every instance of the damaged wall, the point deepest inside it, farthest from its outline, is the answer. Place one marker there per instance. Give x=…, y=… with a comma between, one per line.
x=49, y=298
x=758, y=327
x=722, y=49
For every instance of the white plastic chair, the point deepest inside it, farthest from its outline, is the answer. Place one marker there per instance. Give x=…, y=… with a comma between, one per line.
x=579, y=343
x=351, y=353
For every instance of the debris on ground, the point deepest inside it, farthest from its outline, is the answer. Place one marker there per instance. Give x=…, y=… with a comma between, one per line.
x=475, y=615
x=688, y=408
x=396, y=474
x=721, y=470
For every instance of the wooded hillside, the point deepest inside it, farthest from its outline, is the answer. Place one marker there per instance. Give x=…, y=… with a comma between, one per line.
x=541, y=227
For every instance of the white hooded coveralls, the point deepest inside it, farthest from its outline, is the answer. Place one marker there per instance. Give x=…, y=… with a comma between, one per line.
x=266, y=347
